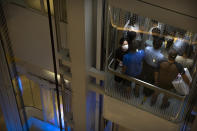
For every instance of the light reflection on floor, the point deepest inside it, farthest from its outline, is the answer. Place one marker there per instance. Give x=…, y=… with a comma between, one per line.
x=38, y=125
x=32, y=95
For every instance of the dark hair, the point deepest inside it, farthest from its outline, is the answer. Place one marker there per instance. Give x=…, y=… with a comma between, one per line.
x=181, y=33
x=131, y=35
x=172, y=54
x=157, y=42
x=133, y=46
x=122, y=40
x=154, y=22
x=169, y=44
x=156, y=31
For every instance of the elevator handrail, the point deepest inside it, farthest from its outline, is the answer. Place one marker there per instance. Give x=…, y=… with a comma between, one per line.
x=150, y=86
x=145, y=84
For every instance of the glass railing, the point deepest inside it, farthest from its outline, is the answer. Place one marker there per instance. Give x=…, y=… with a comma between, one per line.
x=178, y=104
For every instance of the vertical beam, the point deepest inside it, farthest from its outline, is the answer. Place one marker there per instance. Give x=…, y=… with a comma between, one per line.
x=57, y=12
x=98, y=58
x=99, y=32
x=54, y=62
x=76, y=38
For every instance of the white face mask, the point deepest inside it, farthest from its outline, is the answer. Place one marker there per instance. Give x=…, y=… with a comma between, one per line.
x=125, y=47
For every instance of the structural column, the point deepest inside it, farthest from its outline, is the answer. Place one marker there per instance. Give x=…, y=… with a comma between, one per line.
x=76, y=40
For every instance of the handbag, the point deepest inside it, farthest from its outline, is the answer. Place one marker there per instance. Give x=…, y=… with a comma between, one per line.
x=181, y=87
x=188, y=74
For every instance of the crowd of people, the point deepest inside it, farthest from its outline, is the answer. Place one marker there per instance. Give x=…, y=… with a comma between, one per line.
x=158, y=63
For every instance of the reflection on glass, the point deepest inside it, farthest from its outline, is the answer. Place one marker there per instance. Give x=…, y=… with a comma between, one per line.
x=35, y=4
x=51, y=5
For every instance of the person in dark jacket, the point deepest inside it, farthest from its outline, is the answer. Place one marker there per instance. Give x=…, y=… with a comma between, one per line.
x=120, y=52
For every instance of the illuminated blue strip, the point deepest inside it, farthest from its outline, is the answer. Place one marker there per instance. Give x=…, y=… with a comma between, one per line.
x=20, y=84
x=69, y=129
x=41, y=125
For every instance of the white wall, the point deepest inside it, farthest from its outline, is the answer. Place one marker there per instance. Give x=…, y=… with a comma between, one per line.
x=161, y=14
x=187, y=7
x=30, y=37
x=133, y=118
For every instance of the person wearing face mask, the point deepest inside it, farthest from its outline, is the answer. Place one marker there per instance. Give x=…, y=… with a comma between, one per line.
x=120, y=52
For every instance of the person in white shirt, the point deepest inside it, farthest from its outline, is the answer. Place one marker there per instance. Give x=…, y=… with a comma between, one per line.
x=184, y=60
x=156, y=31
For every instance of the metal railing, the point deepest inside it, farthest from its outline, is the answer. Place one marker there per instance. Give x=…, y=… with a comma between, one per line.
x=175, y=112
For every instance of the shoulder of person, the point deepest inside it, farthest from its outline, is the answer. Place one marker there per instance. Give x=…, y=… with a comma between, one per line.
x=147, y=49
x=141, y=51
x=163, y=61
x=126, y=55
x=190, y=61
x=162, y=56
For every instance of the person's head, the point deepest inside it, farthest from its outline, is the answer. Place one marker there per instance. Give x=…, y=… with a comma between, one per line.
x=133, y=46
x=172, y=55
x=156, y=31
x=173, y=33
x=169, y=43
x=157, y=42
x=155, y=23
x=124, y=44
x=181, y=34
x=131, y=35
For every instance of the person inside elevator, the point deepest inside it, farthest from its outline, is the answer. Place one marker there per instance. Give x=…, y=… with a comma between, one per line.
x=131, y=35
x=184, y=60
x=132, y=63
x=133, y=26
x=120, y=52
x=155, y=24
x=155, y=33
x=170, y=40
x=166, y=72
x=180, y=43
x=152, y=58
x=168, y=43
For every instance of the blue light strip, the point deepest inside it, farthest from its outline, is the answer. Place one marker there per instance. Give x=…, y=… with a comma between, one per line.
x=41, y=125
x=20, y=84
